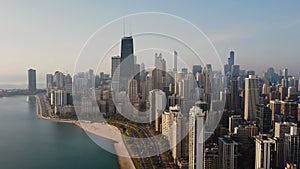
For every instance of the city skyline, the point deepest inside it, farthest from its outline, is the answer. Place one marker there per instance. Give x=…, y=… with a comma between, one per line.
x=266, y=33
x=152, y=84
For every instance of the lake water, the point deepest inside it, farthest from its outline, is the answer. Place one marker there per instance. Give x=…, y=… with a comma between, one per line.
x=27, y=142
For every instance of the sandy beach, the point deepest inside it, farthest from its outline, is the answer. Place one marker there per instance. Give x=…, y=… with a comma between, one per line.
x=102, y=130
x=112, y=133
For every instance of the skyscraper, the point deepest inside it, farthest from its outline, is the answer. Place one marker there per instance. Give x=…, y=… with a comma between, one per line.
x=264, y=118
x=175, y=61
x=49, y=81
x=289, y=109
x=285, y=73
x=292, y=147
x=235, y=71
x=160, y=65
x=127, y=58
x=115, y=61
x=227, y=153
x=59, y=79
x=196, y=135
x=251, y=98
x=234, y=96
x=126, y=65
x=31, y=80
x=127, y=48
x=264, y=152
x=172, y=128
x=157, y=101
x=231, y=58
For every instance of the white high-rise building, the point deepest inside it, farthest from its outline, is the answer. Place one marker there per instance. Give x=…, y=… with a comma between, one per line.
x=157, y=101
x=264, y=148
x=196, y=136
x=251, y=97
x=172, y=129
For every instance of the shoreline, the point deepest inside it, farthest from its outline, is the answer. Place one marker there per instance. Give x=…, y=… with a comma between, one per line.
x=119, y=146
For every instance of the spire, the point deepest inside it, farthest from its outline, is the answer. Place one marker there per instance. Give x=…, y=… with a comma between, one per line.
x=124, y=27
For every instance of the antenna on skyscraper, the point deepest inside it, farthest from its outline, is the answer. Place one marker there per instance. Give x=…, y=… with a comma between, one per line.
x=124, y=27
x=130, y=28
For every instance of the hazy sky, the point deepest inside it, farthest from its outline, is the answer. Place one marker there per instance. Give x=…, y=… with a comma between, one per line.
x=48, y=35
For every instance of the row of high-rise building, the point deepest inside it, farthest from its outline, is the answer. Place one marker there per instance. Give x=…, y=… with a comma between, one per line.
x=212, y=120
x=253, y=106
x=263, y=114
x=59, y=92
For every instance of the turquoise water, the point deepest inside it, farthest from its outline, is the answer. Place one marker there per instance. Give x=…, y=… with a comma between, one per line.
x=29, y=143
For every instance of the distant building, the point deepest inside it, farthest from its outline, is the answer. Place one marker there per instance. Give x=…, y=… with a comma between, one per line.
x=289, y=109
x=157, y=102
x=292, y=146
x=282, y=128
x=231, y=58
x=275, y=106
x=280, y=156
x=251, y=98
x=58, y=80
x=115, y=62
x=32, y=80
x=264, y=118
x=197, y=69
x=133, y=92
x=234, y=121
x=160, y=71
x=244, y=132
x=234, y=96
x=283, y=92
x=58, y=100
x=49, y=81
x=175, y=61
x=235, y=71
x=228, y=151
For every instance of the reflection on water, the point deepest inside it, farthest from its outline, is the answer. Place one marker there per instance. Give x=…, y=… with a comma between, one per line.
x=32, y=102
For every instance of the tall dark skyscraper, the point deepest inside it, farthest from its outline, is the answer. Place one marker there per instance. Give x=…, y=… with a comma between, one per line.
x=231, y=58
x=31, y=80
x=263, y=118
x=126, y=47
x=234, y=96
x=127, y=62
x=127, y=58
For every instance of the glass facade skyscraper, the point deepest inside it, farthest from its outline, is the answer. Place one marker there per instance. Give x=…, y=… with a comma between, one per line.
x=127, y=58
x=31, y=80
